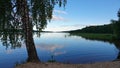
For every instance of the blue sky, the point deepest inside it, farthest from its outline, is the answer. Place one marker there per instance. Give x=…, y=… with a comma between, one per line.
x=81, y=13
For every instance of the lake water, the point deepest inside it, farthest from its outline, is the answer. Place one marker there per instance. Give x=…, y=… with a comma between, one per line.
x=62, y=48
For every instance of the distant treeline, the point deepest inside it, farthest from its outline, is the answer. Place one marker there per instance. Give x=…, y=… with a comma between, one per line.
x=96, y=29
x=112, y=28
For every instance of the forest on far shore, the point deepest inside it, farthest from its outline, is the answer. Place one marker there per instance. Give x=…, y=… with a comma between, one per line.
x=112, y=28
x=95, y=29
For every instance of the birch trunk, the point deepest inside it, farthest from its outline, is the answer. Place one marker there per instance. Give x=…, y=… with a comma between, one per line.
x=27, y=26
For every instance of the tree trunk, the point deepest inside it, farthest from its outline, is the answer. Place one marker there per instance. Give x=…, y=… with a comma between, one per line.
x=27, y=26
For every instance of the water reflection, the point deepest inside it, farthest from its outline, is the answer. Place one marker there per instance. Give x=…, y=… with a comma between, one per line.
x=59, y=47
x=11, y=39
x=50, y=50
x=115, y=42
x=9, y=51
x=49, y=47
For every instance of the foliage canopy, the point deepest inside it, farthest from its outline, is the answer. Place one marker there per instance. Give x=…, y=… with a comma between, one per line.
x=40, y=11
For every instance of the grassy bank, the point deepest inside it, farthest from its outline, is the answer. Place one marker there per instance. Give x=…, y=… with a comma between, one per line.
x=109, y=37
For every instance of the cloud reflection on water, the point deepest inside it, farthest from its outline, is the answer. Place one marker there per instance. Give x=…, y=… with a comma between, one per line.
x=52, y=48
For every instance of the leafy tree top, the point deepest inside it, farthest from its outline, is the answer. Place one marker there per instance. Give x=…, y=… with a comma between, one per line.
x=119, y=14
x=40, y=11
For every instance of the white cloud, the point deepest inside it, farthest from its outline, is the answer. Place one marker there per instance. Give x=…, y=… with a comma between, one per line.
x=60, y=12
x=68, y=27
x=65, y=27
x=57, y=15
x=58, y=18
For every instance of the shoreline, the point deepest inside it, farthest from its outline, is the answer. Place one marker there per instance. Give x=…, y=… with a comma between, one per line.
x=114, y=64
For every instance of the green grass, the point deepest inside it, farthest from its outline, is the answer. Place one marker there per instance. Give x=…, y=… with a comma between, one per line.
x=109, y=37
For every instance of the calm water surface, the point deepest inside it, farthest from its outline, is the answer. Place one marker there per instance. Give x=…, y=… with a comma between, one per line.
x=62, y=48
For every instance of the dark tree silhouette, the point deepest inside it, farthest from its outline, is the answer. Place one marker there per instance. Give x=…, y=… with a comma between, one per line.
x=116, y=26
x=119, y=15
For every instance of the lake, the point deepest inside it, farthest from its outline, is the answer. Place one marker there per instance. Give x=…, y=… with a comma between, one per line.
x=60, y=47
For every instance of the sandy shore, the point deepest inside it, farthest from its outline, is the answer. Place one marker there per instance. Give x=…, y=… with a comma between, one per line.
x=115, y=64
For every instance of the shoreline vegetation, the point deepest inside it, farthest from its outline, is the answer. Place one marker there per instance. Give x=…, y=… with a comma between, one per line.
x=96, y=36
x=111, y=38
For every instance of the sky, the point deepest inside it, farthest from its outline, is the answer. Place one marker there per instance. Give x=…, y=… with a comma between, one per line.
x=78, y=14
